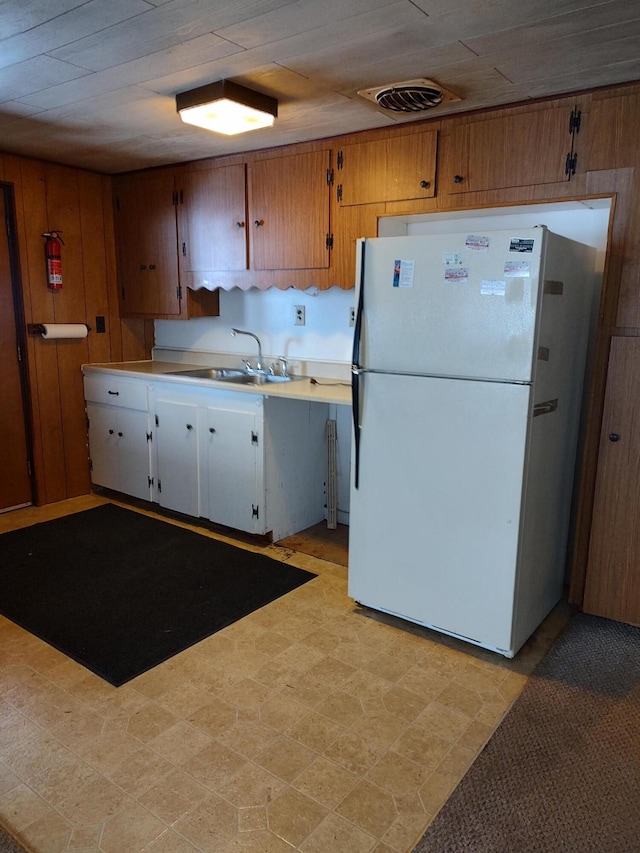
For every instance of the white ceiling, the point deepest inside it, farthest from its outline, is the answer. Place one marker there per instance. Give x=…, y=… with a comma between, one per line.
x=92, y=83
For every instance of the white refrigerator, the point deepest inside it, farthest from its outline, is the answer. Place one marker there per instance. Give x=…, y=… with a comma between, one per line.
x=468, y=363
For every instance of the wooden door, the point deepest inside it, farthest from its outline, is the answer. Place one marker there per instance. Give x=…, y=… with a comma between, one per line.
x=15, y=473
x=514, y=150
x=147, y=245
x=212, y=222
x=396, y=169
x=613, y=570
x=289, y=212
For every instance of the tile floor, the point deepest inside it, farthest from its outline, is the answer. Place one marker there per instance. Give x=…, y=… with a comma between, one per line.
x=305, y=726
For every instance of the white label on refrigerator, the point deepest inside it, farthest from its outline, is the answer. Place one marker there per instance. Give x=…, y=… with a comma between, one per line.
x=521, y=244
x=452, y=259
x=493, y=287
x=474, y=243
x=517, y=269
x=403, y=272
x=456, y=275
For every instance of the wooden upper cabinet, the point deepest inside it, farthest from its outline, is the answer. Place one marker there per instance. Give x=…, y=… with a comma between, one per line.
x=394, y=169
x=615, y=127
x=513, y=150
x=147, y=252
x=212, y=222
x=289, y=212
x=146, y=242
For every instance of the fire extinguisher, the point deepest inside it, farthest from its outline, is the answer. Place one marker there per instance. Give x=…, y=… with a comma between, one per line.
x=53, y=259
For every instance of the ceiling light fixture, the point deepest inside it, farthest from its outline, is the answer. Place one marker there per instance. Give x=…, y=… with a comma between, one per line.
x=226, y=107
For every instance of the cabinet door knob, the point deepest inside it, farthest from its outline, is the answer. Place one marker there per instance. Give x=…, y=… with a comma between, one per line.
x=614, y=436
x=119, y=435
x=211, y=429
x=143, y=266
x=152, y=266
x=239, y=224
x=458, y=179
x=110, y=432
x=259, y=222
x=189, y=426
x=425, y=184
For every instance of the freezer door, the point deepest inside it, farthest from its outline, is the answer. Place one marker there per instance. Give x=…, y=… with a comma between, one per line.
x=434, y=523
x=452, y=305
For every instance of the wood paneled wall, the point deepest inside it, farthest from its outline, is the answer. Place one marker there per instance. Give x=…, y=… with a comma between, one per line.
x=78, y=204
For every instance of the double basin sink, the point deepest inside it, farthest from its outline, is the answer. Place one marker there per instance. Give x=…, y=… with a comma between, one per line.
x=233, y=376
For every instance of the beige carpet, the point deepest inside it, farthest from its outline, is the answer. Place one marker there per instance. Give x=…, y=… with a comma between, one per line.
x=562, y=772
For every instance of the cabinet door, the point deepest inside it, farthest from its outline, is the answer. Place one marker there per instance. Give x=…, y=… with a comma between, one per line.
x=234, y=448
x=289, y=212
x=510, y=151
x=613, y=571
x=147, y=246
x=103, y=446
x=133, y=453
x=119, y=449
x=177, y=456
x=394, y=169
x=212, y=220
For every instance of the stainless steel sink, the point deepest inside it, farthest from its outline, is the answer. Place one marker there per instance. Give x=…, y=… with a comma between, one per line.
x=235, y=377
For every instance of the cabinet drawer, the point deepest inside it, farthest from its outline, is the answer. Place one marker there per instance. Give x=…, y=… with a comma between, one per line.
x=112, y=390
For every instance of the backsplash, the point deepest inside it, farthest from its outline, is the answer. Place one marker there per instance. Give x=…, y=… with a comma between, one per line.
x=270, y=314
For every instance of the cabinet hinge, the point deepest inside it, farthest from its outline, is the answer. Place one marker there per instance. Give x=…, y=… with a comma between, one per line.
x=117, y=203
x=254, y=438
x=150, y=482
x=570, y=165
x=255, y=511
x=574, y=121
x=19, y=353
x=181, y=197
x=329, y=241
x=179, y=292
x=149, y=436
x=157, y=421
x=91, y=464
x=339, y=192
x=123, y=294
x=340, y=159
x=184, y=250
x=29, y=468
x=329, y=176
x=175, y=197
x=159, y=485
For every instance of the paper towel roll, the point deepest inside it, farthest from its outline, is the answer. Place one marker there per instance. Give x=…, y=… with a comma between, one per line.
x=56, y=331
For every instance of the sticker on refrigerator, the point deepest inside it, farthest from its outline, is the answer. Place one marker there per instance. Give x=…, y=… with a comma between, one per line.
x=517, y=269
x=493, y=287
x=456, y=275
x=452, y=259
x=403, y=272
x=474, y=243
x=521, y=244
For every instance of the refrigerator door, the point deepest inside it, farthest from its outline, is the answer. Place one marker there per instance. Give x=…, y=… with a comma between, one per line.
x=452, y=305
x=434, y=523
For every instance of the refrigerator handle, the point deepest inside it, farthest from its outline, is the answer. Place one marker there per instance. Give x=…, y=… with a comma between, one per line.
x=355, y=370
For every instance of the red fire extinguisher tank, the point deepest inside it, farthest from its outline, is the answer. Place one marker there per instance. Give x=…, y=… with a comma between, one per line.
x=53, y=259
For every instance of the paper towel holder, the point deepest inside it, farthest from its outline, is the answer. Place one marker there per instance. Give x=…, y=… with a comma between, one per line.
x=39, y=328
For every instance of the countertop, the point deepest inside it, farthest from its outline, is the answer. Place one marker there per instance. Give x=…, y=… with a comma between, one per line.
x=305, y=388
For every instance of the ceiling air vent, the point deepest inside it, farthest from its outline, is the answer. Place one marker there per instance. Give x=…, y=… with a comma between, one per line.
x=412, y=96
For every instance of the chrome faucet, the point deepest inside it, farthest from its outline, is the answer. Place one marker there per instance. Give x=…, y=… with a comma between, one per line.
x=259, y=365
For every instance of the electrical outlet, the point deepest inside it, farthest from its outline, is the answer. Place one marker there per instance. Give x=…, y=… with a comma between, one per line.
x=352, y=316
x=299, y=318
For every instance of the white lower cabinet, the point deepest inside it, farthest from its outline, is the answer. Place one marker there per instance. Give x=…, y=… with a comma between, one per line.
x=253, y=463
x=119, y=435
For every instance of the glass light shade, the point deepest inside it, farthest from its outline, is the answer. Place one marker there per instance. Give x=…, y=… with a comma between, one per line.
x=226, y=116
